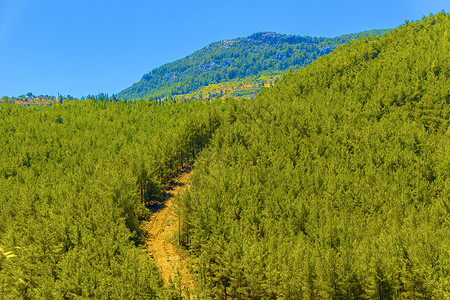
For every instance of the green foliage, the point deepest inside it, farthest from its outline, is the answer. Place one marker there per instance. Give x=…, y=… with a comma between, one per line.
x=30, y=100
x=74, y=179
x=239, y=59
x=334, y=183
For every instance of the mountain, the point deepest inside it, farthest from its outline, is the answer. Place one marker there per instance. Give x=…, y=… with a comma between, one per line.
x=335, y=182
x=243, y=59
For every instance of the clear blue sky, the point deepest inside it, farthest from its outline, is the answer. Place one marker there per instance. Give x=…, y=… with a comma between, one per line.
x=91, y=46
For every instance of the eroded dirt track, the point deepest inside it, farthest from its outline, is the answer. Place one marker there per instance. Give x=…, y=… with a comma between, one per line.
x=161, y=229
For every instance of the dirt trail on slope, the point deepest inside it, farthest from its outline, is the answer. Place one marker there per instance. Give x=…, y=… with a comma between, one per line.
x=161, y=229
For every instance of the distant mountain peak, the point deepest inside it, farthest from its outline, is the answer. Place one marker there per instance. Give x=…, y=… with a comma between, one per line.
x=235, y=59
x=259, y=35
x=274, y=38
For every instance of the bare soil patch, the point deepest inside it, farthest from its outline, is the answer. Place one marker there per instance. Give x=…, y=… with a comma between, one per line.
x=160, y=230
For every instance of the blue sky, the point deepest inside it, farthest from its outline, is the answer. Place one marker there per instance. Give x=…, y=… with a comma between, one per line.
x=87, y=47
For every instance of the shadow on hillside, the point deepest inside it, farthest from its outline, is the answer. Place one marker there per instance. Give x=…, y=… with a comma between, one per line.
x=171, y=184
x=156, y=206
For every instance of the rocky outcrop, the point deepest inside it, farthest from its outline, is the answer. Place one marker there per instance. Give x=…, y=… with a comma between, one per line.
x=273, y=38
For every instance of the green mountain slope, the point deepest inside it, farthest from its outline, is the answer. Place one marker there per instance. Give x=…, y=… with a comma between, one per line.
x=75, y=180
x=334, y=183
x=263, y=52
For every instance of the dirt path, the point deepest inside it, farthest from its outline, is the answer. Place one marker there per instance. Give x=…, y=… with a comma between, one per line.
x=161, y=229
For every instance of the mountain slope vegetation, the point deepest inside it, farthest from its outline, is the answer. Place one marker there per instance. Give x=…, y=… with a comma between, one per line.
x=75, y=179
x=260, y=53
x=334, y=183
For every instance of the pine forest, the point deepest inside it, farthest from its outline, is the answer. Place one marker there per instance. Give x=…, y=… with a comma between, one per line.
x=331, y=183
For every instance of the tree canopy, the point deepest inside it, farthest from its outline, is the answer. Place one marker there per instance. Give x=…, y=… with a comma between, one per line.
x=75, y=180
x=334, y=183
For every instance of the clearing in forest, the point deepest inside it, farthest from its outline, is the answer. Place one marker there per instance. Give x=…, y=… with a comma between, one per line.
x=160, y=230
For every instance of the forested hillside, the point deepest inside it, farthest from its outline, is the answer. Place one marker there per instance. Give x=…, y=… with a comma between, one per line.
x=261, y=53
x=75, y=179
x=30, y=99
x=333, y=184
